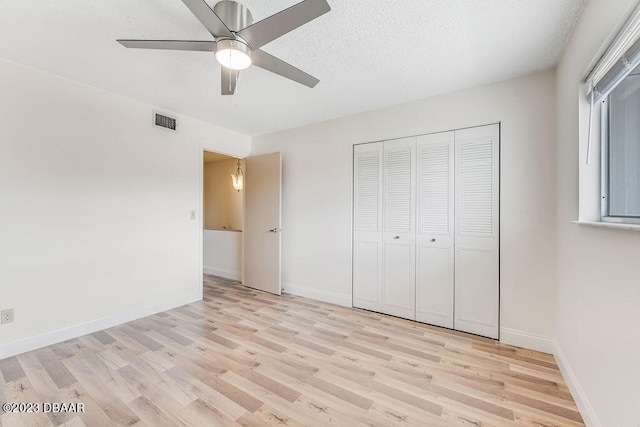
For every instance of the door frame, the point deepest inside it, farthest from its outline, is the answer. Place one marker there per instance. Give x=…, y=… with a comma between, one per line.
x=200, y=209
x=200, y=213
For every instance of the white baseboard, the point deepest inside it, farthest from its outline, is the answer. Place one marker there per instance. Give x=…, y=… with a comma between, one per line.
x=317, y=294
x=233, y=275
x=526, y=340
x=579, y=396
x=52, y=337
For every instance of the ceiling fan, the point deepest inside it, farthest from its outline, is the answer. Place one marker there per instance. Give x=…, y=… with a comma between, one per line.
x=238, y=41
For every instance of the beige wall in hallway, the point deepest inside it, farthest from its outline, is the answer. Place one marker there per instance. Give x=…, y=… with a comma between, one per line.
x=223, y=205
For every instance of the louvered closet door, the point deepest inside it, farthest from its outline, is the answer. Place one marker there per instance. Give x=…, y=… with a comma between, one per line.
x=399, y=228
x=476, y=230
x=435, y=224
x=367, y=224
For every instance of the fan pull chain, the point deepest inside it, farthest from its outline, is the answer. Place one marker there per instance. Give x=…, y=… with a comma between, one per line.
x=590, y=126
x=235, y=92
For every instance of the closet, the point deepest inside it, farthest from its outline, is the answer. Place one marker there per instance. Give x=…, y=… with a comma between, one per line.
x=425, y=228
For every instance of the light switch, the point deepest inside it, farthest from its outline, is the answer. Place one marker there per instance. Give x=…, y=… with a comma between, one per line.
x=193, y=215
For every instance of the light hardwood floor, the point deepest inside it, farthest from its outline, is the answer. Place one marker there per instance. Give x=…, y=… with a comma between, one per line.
x=244, y=358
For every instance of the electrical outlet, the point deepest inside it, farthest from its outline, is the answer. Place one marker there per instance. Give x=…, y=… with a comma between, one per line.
x=6, y=316
x=193, y=215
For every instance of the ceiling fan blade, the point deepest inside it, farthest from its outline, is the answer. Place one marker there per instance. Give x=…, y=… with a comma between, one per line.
x=269, y=62
x=208, y=18
x=269, y=29
x=229, y=80
x=203, y=46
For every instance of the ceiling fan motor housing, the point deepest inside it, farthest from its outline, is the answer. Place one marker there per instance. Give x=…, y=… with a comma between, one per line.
x=233, y=53
x=235, y=16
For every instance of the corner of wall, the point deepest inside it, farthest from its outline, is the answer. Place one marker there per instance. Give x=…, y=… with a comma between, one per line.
x=526, y=340
x=579, y=396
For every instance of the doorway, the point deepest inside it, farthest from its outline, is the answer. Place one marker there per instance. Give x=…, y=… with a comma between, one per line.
x=222, y=217
x=241, y=223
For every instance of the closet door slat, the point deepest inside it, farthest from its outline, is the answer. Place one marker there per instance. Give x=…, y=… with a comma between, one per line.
x=367, y=226
x=434, y=237
x=399, y=175
x=477, y=230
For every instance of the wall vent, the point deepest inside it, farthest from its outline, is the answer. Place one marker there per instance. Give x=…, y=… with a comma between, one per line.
x=165, y=122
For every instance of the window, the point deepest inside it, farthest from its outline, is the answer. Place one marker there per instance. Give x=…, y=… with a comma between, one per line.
x=621, y=151
x=610, y=187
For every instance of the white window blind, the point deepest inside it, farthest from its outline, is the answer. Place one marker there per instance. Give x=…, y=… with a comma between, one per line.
x=622, y=56
x=618, y=61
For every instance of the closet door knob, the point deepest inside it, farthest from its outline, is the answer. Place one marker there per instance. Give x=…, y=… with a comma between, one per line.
x=433, y=240
x=397, y=237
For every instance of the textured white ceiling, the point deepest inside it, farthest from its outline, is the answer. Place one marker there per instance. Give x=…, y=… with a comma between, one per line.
x=367, y=54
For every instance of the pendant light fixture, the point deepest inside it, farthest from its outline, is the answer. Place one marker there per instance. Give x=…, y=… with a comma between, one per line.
x=238, y=178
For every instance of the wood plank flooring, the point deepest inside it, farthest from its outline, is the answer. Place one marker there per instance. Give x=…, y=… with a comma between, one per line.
x=244, y=358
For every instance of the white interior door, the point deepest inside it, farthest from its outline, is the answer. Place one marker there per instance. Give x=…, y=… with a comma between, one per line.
x=477, y=171
x=261, y=231
x=367, y=226
x=435, y=225
x=398, y=237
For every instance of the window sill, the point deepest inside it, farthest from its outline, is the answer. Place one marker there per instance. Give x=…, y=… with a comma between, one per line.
x=614, y=225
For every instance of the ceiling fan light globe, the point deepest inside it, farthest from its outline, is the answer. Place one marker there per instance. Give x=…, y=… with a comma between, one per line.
x=233, y=54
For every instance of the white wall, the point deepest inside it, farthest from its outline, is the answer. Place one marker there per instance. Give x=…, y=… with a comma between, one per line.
x=317, y=177
x=95, y=208
x=223, y=205
x=222, y=254
x=598, y=307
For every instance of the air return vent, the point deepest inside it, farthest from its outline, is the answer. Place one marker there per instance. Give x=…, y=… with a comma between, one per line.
x=165, y=122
